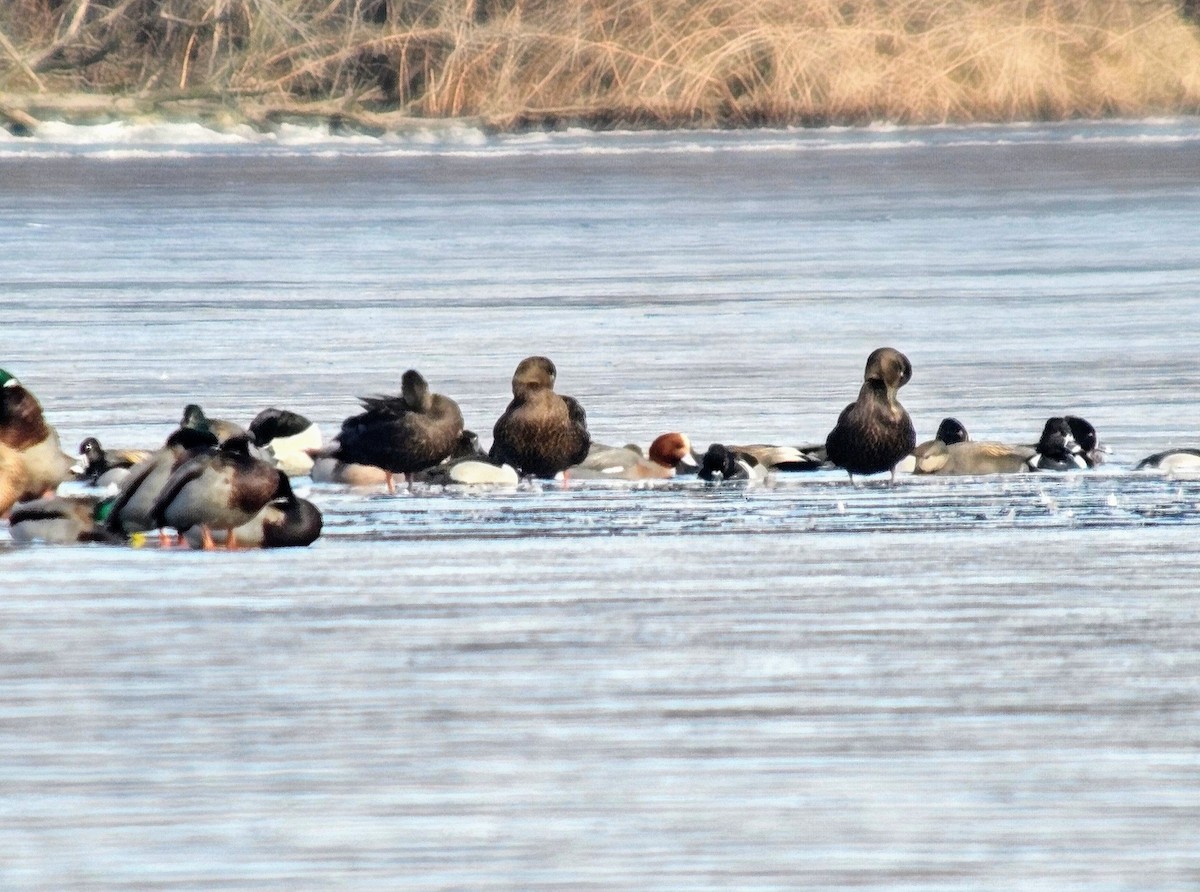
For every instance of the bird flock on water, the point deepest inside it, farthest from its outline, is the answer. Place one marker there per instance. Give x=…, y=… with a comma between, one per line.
x=213, y=483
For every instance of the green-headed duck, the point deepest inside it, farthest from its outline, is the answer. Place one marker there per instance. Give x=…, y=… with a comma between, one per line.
x=218, y=489
x=287, y=521
x=62, y=521
x=131, y=512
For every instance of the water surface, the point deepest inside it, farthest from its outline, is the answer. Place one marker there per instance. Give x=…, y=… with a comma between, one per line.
x=939, y=685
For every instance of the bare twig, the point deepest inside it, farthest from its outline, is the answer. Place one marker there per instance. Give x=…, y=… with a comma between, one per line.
x=25, y=67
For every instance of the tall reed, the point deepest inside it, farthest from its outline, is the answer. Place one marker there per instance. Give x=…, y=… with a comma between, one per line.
x=628, y=62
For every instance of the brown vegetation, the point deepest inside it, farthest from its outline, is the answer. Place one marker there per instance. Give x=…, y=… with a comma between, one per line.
x=614, y=62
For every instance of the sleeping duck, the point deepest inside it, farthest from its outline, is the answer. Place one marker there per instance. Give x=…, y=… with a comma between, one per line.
x=194, y=418
x=131, y=512
x=1056, y=451
x=34, y=463
x=62, y=521
x=468, y=465
x=667, y=454
x=287, y=439
x=220, y=488
x=287, y=521
x=400, y=434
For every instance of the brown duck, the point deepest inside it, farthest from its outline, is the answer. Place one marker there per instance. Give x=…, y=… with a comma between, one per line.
x=400, y=434
x=540, y=433
x=874, y=432
x=33, y=463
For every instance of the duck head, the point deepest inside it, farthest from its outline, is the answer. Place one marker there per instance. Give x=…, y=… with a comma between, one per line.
x=889, y=367
x=272, y=423
x=671, y=450
x=468, y=445
x=533, y=373
x=186, y=439
x=91, y=451
x=719, y=463
x=415, y=391
x=951, y=431
x=1058, y=442
x=194, y=418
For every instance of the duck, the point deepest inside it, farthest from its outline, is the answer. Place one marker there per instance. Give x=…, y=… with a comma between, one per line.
x=62, y=520
x=131, y=511
x=1091, y=449
x=662, y=460
x=949, y=432
x=12, y=478
x=400, y=434
x=875, y=432
x=541, y=433
x=194, y=417
x=1173, y=461
x=106, y=467
x=42, y=465
x=286, y=438
x=218, y=489
x=1056, y=451
x=287, y=521
x=468, y=465
x=331, y=470
x=782, y=458
x=721, y=462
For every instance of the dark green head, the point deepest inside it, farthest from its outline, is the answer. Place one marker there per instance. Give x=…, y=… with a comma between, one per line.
x=194, y=418
x=7, y=380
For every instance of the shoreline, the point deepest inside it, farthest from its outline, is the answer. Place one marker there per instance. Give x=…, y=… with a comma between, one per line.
x=22, y=113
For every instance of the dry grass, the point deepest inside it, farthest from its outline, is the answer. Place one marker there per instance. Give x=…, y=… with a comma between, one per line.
x=627, y=62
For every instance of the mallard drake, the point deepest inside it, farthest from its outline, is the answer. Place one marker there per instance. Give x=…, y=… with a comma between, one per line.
x=286, y=521
x=25, y=431
x=721, y=462
x=540, y=433
x=131, y=512
x=194, y=418
x=874, y=432
x=666, y=454
x=105, y=467
x=400, y=434
x=287, y=439
x=218, y=489
x=62, y=521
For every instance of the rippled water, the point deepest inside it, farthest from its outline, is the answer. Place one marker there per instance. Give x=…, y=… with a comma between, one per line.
x=943, y=684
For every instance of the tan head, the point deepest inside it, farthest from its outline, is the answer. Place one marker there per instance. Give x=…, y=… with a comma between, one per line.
x=533, y=373
x=671, y=450
x=888, y=366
